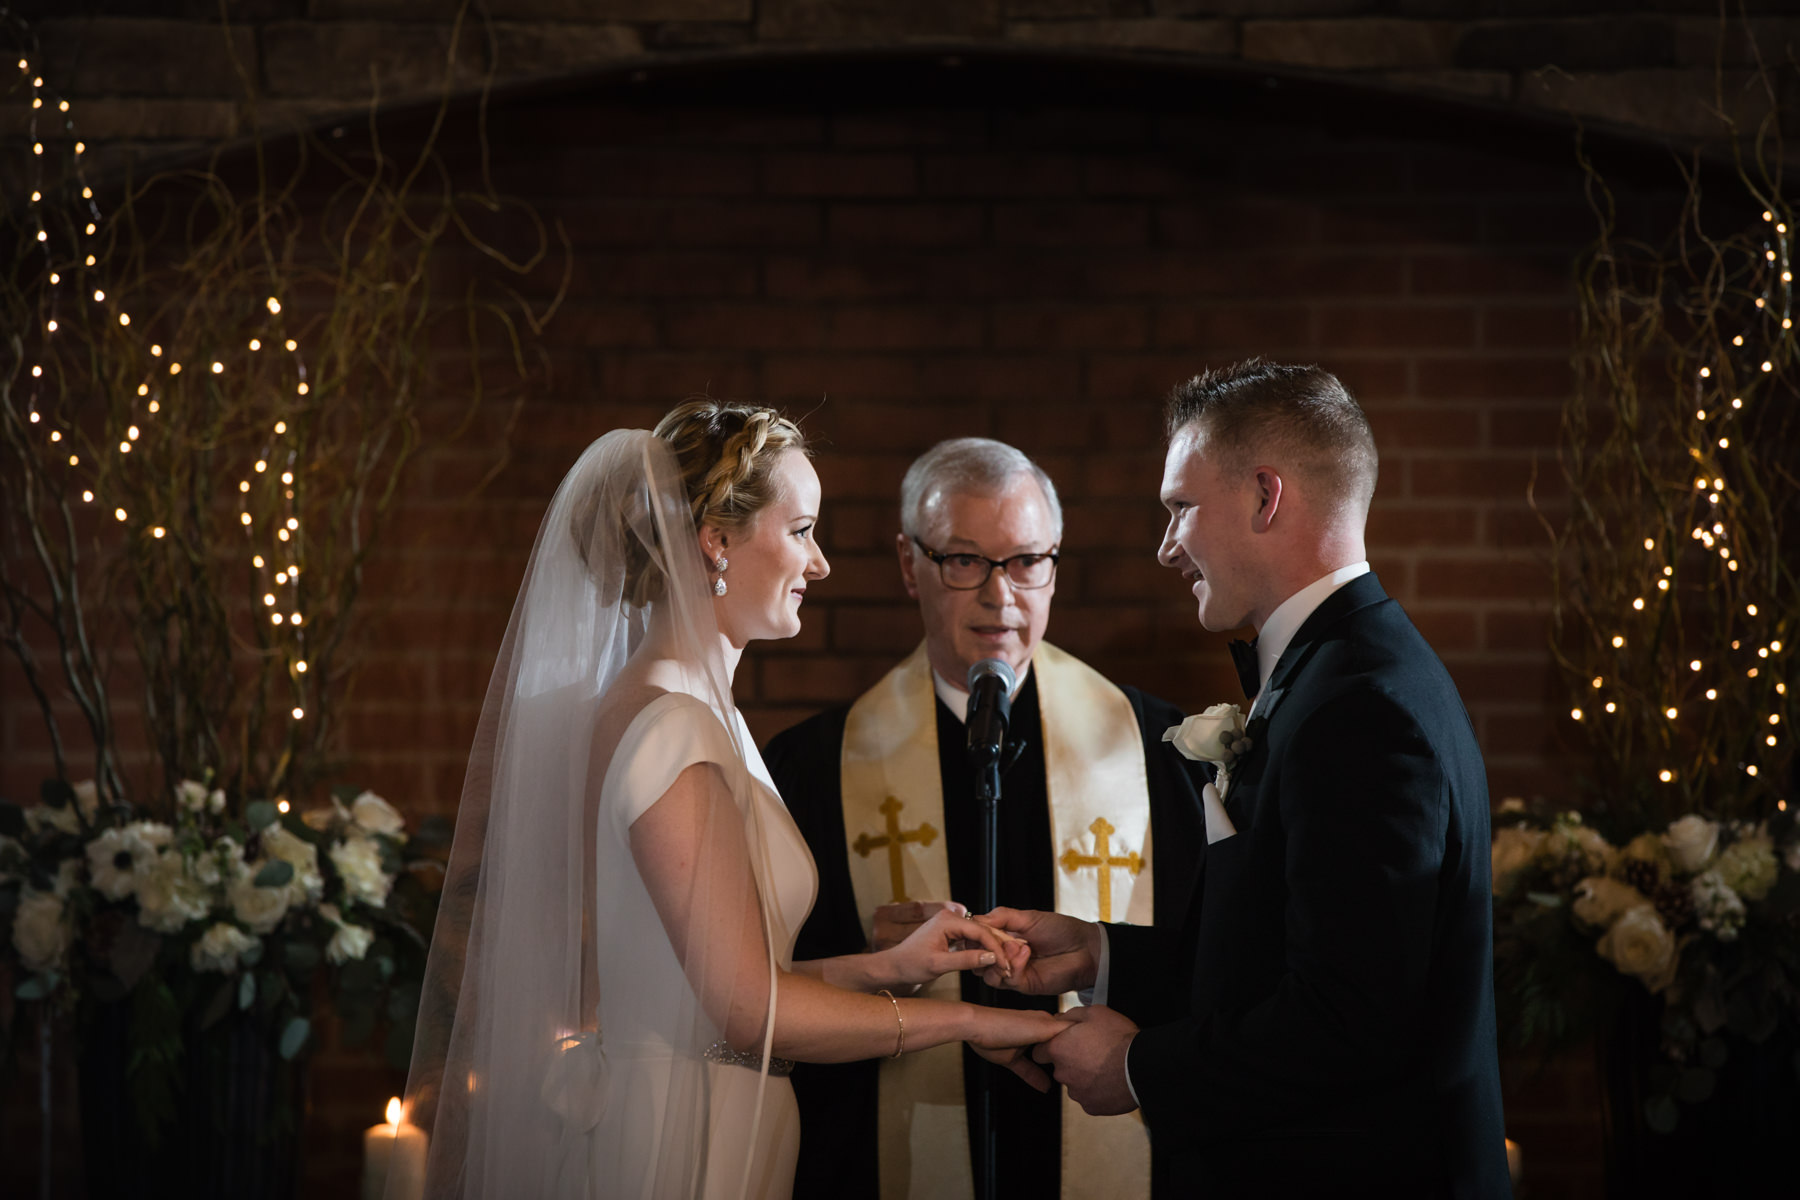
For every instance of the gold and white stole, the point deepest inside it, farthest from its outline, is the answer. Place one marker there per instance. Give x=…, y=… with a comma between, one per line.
x=1100, y=834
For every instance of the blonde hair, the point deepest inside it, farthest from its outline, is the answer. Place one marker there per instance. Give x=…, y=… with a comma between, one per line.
x=726, y=452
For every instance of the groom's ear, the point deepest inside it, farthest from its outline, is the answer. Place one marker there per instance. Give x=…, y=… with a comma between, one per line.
x=904, y=548
x=1268, y=495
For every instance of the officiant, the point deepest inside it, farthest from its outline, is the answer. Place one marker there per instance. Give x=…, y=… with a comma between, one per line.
x=1099, y=818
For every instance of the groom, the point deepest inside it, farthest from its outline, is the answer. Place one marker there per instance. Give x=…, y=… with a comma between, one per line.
x=1320, y=1019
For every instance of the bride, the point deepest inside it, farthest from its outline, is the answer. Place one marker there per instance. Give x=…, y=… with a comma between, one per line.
x=611, y=1007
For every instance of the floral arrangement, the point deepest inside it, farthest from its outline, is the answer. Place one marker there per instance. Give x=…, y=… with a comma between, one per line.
x=1703, y=915
x=219, y=909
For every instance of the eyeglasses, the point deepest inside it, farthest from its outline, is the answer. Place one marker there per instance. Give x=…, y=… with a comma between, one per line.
x=966, y=572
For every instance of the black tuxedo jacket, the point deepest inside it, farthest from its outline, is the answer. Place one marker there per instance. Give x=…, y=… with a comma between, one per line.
x=1321, y=1021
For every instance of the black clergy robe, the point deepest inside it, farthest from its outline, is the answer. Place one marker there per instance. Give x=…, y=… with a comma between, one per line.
x=838, y=1103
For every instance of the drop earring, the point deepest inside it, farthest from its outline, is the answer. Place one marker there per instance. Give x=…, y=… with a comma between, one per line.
x=719, y=565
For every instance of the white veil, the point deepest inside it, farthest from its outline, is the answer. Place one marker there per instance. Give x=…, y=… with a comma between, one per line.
x=510, y=1074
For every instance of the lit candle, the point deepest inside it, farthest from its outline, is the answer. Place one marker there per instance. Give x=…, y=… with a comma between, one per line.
x=393, y=1158
x=1515, y=1161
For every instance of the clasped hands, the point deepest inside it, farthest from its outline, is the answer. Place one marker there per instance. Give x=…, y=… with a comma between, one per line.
x=1038, y=953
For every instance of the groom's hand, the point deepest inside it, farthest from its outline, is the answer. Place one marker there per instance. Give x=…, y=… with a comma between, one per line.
x=1063, y=953
x=1088, y=1059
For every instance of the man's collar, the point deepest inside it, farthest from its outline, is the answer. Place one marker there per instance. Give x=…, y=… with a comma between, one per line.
x=1278, y=631
x=956, y=699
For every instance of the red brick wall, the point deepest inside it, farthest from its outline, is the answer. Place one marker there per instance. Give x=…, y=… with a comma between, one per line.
x=904, y=253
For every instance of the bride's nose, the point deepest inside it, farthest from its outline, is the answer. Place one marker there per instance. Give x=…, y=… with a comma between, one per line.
x=818, y=568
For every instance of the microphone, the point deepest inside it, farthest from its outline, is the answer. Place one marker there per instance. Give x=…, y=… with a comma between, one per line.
x=991, y=684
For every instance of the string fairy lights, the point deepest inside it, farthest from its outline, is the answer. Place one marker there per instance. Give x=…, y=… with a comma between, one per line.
x=68, y=265
x=1724, y=392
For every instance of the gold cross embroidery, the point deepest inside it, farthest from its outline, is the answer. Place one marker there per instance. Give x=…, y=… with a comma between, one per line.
x=866, y=843
x=1073, y=862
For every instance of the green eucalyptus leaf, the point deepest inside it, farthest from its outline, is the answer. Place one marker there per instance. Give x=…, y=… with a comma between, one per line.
x=293, y=1037
x=38, y=987
x=275, y=873
x=12, y=820
x=246, y=992
x=1696, y=1085
x=1662, y=1113
x=259, y=815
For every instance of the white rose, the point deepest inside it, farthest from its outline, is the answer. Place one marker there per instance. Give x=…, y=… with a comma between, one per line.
x=1599, y=901
x=1208, y=736
x=307, y=885
x=40, y=933
x=358, y=861
x=1640, y=945
x=347, y=941
x=1748, y=865
x=118, y=858
x=168, y=894
x=259, y=908
x=1515, y=849
x=190, y=796
x=1691, y=842
x=220, y=948
x=1717, y=908
x=376, y=815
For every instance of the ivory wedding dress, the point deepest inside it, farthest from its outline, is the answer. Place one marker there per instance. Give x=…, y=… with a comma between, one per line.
x=568, y=1041
x=628, y=1146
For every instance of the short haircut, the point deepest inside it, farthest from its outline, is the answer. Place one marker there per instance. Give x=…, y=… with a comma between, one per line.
x=1299, y=416
x=980, y=466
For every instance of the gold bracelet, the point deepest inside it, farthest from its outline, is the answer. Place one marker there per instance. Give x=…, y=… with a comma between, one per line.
x=900, y=1045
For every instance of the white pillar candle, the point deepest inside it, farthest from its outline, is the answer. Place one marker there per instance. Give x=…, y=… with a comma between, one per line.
x=393, y=1158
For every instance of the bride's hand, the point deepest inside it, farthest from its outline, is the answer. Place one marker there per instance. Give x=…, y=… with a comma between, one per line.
x=951, y=941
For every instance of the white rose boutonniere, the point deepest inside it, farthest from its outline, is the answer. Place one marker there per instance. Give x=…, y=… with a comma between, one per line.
x=1215, y=736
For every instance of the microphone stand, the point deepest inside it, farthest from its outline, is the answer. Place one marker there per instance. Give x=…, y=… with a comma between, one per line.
x=985, y=760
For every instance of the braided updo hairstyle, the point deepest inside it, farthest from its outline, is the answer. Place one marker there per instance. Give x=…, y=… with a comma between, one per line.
x=727, y=453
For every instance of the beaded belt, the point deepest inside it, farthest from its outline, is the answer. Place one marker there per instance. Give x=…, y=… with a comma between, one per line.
x=721, y=1052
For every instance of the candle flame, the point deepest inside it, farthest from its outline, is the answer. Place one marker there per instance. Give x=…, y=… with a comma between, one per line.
x=394, y=1111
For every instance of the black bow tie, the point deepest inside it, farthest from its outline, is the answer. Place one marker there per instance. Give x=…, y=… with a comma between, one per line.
x=1243, y=657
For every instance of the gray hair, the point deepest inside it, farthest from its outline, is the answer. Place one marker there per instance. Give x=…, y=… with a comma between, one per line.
x=979, y=465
